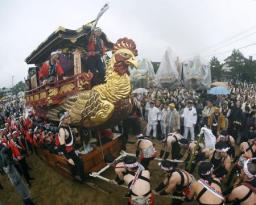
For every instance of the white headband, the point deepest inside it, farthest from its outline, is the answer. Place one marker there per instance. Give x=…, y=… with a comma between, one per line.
x=64, y=115
x=136, y=164
x=207, y=173
x=223, y=150
x=139, y=135
x=165, y=168
x=245, y=168
x=182, y=143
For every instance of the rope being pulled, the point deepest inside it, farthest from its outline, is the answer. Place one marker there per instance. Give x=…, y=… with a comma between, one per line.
x=123, y=154
x=157, y=159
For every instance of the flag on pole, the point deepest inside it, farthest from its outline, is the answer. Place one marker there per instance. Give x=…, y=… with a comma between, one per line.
x=102, y=11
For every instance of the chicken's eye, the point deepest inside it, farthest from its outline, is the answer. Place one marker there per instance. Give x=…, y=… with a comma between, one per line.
x=125, y=55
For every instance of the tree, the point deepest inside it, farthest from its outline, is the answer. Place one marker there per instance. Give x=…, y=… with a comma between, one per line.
x=236, y=61
x=242, y=69
x=216, y=68
x=249, y=71
x=20, y=86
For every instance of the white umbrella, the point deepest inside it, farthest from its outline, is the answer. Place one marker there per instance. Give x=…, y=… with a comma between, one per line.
x=140, y=91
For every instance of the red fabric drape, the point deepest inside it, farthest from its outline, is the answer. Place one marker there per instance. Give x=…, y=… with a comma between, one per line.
x=15, y=151
x=44, y=71
x=59, y=69
x=91, y=45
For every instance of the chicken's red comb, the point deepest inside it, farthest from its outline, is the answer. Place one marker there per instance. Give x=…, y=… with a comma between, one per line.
x=125, y=43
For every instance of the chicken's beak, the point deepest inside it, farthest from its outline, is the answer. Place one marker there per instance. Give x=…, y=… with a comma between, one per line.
x=133, y=62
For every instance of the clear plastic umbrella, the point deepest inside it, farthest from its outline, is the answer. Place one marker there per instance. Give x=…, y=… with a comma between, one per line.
x=219, y=91
x=140, y=91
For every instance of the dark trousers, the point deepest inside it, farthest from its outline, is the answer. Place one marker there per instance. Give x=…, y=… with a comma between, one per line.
x=35, y=149
x=235, y=132
x=28, y=202
x=159, y=130
x=78, y=168
x=131, y=123
x=177, y=201
x=22, y=168
x=214, y=130
x=94, y=64
x=145, y=162
x=176, y=151
x=30, y=147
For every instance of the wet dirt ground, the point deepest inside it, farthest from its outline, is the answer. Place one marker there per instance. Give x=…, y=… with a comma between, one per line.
x=50, y=188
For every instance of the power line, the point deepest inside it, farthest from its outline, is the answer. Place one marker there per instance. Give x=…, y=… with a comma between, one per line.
x=246, y=46
x=253, y=54
x=228, y=39
x=230, y=43
x=234, y=41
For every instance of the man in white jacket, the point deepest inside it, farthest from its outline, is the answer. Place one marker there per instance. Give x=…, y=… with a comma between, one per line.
x=190, y=119
x=152, y=119
x=164, y=120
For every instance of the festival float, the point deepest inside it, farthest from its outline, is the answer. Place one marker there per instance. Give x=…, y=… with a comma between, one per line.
x=73, y=87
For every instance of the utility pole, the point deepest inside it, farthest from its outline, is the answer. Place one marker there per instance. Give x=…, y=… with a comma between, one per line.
x=12, y=84
x=12, y=80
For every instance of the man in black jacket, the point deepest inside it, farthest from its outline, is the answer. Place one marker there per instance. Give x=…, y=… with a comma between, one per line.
x=236, y=121
x=132, y=122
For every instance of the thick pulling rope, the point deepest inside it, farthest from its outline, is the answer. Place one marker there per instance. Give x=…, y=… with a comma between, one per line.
x=157, y=159
x=109, y=165
x=123, y=154
x=94, y=174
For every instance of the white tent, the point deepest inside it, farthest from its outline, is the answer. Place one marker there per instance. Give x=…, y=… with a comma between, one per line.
x=207, y=79
x=196, y=74
x=144, y=76
x=168, y=74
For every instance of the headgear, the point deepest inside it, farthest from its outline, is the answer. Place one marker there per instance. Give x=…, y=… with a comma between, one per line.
x=247, y=168
x=221, y=146
x=64, y=115
x=168, y=165
x=131, y=162
x=205, y=168
x=172, y=105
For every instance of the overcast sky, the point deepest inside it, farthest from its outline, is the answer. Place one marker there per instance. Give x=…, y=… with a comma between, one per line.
x=190, y=27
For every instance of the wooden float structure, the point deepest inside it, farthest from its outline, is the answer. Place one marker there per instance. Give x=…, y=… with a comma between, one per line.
x=42, y=96
x=92, y=161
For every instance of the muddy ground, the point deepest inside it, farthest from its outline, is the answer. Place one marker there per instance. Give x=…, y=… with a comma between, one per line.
x=50, y=188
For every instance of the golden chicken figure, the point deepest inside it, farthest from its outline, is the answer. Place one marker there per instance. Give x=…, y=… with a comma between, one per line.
x=106, y=103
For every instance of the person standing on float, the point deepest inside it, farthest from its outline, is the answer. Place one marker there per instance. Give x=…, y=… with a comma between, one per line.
x=66, y=140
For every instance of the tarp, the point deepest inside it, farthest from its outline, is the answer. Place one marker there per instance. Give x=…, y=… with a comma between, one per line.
x=207, y=77
x=168, y=74
x=196, y=75
x=144, y=76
